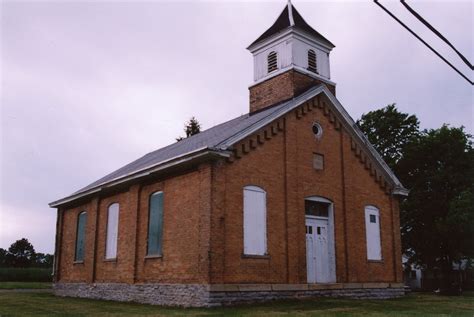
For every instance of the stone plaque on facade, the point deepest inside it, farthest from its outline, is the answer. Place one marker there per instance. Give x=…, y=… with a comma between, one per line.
x=318, y=161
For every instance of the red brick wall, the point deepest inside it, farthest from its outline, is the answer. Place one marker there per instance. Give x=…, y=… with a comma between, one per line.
x=69, y=270
x=262, y=167
x=280, y=88
x=203, y=216
x=361, y=190
x=282, y=165
x=186, y=233
x=182, y=231
x=121, y=269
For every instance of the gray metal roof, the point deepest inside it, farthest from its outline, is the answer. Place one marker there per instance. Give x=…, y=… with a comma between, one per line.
x=220, y=138
x=213, y=139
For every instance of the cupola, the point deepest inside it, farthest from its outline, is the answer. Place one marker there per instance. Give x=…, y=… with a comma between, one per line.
x=288, y=58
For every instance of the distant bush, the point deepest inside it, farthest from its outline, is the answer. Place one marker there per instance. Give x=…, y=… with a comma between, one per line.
x=32, y=274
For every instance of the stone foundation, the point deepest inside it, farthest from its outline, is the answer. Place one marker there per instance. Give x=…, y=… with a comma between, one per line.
x=186, y=295
x=200, y=295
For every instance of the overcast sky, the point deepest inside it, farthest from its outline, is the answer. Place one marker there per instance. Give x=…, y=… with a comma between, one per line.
x=88, y=86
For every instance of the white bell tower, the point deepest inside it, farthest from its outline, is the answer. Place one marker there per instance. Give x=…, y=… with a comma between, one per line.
x=291, y=43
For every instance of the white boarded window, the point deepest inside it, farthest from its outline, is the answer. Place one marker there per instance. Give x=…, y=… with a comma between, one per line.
x=255, y=221
x=372, y=232
x=112, y=231
x=272, y=61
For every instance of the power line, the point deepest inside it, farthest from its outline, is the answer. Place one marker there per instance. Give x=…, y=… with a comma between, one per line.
x=429, y=26
x=422, y=41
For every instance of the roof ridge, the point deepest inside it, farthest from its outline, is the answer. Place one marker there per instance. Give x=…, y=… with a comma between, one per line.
x=229, y=133
x=192, y=137
x=290, y=13
x=166, y=147
x=276, y=108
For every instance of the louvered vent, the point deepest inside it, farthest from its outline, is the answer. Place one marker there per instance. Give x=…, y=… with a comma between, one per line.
x=272, y=61
x=312, y=66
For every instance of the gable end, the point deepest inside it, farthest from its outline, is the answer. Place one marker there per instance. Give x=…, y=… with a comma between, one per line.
x=363, y=151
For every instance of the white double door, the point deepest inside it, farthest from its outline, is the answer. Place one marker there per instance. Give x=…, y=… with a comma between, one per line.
x=317, y=250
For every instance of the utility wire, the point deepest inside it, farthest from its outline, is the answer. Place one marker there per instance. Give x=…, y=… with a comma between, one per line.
x=422, y=41
x=429, y=26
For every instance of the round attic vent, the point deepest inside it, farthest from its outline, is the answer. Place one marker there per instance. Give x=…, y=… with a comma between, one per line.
x=317, y=130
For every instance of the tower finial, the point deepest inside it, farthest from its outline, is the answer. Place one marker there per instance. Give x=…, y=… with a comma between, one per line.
x=290, y=13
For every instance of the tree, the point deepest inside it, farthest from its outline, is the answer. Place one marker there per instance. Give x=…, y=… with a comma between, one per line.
x=437, y=166
x=191, y=128
x=438, y=215
x=3, y=257
x=21, y=253
x=43, y=260
x=389, y=131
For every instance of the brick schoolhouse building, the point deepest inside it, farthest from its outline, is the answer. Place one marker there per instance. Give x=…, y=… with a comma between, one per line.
x=289, y=200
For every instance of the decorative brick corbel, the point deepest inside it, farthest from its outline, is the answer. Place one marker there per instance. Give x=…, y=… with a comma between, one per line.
x=368, y=165
x=268, y=134
x=274, y=129
x=319, y=104
x=280, y=125
x=252, y=143
x=237, y=152
x=298, y=113
x=245, y=147
x=325, y=109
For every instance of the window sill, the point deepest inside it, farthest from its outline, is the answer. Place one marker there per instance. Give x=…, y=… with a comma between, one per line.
x=159, y=256
x=255, y=256
x=110, y=260
x=78, y=262
x=375, y=261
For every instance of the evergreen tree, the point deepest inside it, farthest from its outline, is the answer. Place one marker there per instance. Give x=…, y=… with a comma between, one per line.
x=191, y=128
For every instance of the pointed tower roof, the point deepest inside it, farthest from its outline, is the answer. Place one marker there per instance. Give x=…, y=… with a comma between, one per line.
x=290, y=17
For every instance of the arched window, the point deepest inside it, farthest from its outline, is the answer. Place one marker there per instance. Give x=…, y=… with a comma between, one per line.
x=112, y=231
x=312, y=63
x=155, y=224
x=80, y=236
x=372, y=233
x=272, y=61
x=255, y=221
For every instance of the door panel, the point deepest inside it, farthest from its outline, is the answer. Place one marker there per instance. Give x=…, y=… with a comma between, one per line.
x=310, y=255
x=317, y=250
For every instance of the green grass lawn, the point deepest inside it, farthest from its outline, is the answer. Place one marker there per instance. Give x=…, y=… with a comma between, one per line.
x=24, y=285
x=37, y=304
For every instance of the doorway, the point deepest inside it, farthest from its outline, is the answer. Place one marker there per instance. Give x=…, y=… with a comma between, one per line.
x=320, y=257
